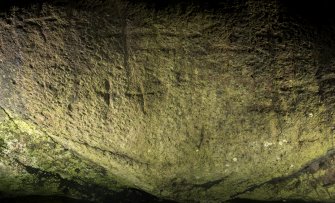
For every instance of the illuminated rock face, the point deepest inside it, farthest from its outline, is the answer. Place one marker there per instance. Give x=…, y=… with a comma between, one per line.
x=185, y=103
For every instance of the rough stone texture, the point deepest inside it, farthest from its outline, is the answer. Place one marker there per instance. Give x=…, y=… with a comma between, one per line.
x=183, y=102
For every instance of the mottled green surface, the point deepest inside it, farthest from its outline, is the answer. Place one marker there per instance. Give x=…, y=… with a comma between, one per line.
x=183, y=103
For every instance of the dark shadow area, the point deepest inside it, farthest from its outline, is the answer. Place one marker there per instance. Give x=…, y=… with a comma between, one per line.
x=57, y=199
x=125, y=196
x=134, y=196
x=6, y=5
x=319, y=14
x=41, y=199
x=281, y=201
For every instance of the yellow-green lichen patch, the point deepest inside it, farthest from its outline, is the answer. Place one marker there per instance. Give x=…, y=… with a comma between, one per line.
x=56, y=169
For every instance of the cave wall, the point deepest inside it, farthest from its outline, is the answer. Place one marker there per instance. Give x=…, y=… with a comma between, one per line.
x=189, y=102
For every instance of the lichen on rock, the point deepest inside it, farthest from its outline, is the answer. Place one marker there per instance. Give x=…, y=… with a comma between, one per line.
x=185, y=102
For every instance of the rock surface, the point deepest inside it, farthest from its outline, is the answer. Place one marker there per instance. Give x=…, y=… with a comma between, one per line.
x=187, y=102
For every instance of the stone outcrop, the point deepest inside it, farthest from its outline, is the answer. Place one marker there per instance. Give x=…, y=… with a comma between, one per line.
x=187, y=102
